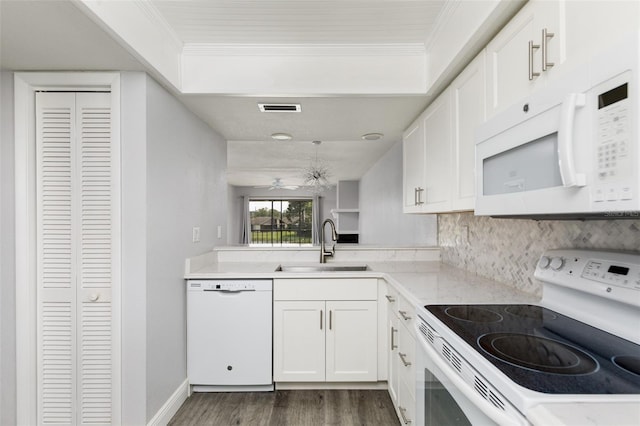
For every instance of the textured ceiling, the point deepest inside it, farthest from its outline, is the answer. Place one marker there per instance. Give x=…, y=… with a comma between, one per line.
x=301, y=21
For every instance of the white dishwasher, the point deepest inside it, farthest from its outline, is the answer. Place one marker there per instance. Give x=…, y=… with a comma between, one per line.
x=229, y=335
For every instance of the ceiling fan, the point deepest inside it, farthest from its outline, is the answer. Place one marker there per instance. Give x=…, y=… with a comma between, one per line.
x=277, y=184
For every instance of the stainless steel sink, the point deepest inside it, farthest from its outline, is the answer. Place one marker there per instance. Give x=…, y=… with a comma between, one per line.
x=321, y=268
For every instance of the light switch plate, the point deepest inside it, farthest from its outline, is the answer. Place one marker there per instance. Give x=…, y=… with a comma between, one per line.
x=196, y=234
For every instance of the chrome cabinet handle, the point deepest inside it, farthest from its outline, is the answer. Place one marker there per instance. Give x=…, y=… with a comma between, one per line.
x=404, y=360
x=390, y=298
x=420, y=190
x=545, y=50
x=404, y=417
x=330, y=319
x=415, y=196
x=404, y=315
x=532, y=46
x=320, y=319
x=393, y=343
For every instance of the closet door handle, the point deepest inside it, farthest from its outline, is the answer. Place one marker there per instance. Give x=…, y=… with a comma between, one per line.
x=532, y=46
x=545, y=49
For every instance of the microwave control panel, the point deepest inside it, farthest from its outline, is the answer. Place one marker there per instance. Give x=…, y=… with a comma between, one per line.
x=613, y=153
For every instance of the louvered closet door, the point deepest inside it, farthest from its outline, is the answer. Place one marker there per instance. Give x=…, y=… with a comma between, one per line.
x=75, y=245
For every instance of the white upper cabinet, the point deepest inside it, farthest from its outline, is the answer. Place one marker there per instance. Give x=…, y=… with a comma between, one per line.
x=437, y=173
x=469, y=94
x=520, y=58
x=592, y=26
x=413, y=170
x=439, y=148
x=427, y=159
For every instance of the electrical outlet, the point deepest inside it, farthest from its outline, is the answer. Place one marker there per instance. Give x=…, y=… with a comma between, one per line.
x=196, y=234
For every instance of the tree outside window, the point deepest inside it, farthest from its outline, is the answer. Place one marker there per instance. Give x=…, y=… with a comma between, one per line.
x=281, y=222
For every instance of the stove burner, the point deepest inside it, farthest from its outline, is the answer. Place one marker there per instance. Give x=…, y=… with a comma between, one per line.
x=473, y=314
x=629, y=363
x=537, y=353
x=530, y=312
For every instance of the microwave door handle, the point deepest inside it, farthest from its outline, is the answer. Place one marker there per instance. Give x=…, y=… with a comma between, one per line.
x=568, y=173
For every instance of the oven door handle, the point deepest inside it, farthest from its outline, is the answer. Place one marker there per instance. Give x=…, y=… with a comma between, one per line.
x=495, y=414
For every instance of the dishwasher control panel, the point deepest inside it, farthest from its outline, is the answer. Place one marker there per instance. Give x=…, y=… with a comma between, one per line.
x=230, y=285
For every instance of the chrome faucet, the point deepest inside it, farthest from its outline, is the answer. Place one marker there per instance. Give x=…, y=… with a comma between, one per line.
x=334, y=237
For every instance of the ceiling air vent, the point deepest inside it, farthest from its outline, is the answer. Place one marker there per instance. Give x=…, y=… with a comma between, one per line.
x=279, y=107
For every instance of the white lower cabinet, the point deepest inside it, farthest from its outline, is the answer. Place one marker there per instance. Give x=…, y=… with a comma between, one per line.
x=325, y=340
x=298, y=341
x=402, y=349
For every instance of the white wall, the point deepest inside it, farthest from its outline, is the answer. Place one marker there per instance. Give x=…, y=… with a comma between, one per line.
x=327, y=201
x=381, y=219
x=7, y=255
x=186, y=187
x=134, y=246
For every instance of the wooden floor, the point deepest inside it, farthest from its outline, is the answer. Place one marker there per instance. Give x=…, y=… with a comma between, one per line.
x=288, y=407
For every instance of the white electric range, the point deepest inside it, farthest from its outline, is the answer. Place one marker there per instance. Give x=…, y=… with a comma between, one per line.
x=494, y=364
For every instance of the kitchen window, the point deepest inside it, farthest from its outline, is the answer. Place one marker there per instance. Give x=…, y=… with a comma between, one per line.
x=281, y=222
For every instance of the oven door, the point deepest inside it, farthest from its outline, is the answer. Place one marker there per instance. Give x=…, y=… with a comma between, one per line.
x=444, y=398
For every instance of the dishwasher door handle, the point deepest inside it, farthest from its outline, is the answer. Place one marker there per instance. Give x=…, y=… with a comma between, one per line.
x=219, y=290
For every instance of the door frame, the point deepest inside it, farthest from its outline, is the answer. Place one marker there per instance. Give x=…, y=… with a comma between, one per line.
x=25, y=86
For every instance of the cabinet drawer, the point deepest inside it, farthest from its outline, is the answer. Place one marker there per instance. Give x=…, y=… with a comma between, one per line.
x=325, y=289
x=406, y=313
x=406, y=405
x=406, y=354
x=391, y=298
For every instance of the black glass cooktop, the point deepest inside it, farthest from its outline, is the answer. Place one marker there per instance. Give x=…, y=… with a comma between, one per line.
x=545, y=351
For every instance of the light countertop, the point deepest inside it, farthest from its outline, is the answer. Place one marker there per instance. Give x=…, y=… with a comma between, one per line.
x=424, y=282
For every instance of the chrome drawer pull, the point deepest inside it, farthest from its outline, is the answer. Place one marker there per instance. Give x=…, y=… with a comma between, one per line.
x=404, y=361
x=404, y=315
x=404, y=417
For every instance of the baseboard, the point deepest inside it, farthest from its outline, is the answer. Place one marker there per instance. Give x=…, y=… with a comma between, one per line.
x=331, y=385
x=171, y=407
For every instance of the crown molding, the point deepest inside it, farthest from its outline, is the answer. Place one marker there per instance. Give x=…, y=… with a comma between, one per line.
x=387, y=49
x=157, y=19
x=446, y=14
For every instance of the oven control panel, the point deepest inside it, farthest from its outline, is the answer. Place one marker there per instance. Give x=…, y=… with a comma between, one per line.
x=611, y=275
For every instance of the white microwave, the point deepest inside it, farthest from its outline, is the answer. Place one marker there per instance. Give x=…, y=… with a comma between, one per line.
x=570, y=150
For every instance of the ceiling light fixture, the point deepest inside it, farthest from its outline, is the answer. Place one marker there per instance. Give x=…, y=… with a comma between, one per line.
x=316, y=176
x=372, y=136
x=281, y=136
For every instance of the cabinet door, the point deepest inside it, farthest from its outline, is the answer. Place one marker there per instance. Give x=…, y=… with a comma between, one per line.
x=352, y=341
x=469, y=98
x=299, y=341
x=508, y=54
x=413, y=166
x=393, y=379
x=592, y=26
x=438, y=140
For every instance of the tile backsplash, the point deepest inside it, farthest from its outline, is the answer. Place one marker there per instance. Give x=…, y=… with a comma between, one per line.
x=507, y=250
